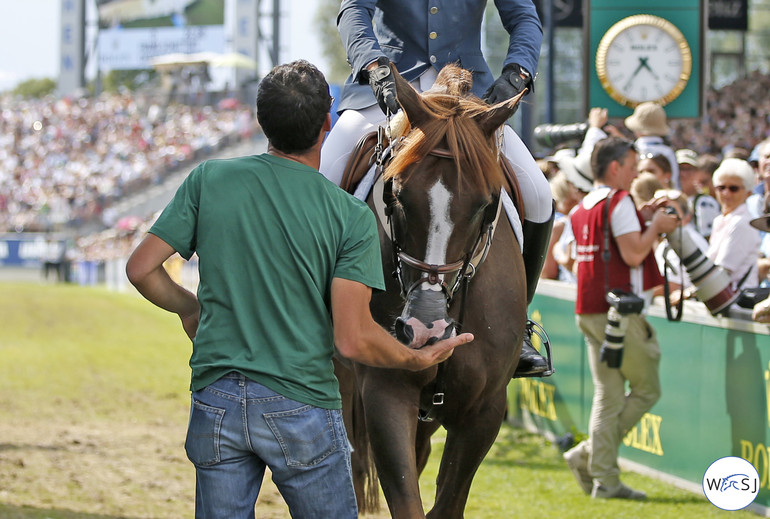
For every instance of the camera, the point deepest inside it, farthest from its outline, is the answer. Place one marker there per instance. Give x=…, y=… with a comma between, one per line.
x=551, y=135
x=622, y=304
x=625, y=302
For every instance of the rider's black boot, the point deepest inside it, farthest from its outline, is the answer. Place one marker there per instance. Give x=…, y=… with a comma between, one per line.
x=536, y=239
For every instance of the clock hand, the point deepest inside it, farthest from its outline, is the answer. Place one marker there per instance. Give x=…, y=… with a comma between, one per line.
x=643, y=63
x=628, y=83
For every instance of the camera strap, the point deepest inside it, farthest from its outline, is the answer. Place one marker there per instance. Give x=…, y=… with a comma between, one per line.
x=667, y=291
x=606, y=254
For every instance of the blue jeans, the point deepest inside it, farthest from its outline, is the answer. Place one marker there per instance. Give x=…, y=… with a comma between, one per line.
x=238, y=427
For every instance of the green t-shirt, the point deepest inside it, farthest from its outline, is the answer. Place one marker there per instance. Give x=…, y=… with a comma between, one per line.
x=270, y=235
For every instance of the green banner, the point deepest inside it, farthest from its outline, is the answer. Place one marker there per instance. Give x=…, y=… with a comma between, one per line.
x=715, y=377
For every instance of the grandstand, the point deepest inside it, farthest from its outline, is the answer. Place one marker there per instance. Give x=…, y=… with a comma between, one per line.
x=66, y=162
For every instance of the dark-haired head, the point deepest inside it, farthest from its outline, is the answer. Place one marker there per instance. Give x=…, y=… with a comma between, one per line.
x=292, y=103
x=608, y=150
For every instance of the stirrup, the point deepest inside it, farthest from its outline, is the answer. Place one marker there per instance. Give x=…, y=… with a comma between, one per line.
x=534, y=327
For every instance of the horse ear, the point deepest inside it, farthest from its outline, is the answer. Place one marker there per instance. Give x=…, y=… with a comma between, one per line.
x=410, y=100
x=491, y=119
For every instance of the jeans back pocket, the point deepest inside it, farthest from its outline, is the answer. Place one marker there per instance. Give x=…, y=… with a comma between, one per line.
x=306, y=434
x=202, y=442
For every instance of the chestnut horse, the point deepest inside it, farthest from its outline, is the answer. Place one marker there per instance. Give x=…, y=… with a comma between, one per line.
x=451, y=260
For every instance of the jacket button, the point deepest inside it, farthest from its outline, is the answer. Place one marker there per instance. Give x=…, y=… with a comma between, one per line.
x=433, y=35
x=433, y=10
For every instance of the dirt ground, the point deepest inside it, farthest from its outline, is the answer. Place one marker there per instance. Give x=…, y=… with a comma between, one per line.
x=106, y=471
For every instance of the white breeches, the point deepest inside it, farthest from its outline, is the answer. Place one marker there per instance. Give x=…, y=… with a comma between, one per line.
x=352, y=125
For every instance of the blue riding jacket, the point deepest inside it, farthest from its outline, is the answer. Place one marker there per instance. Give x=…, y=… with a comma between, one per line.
x=418, y=34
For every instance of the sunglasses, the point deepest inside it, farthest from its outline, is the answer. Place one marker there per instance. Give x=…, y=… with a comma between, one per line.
x=671, y=194
x=732, y=189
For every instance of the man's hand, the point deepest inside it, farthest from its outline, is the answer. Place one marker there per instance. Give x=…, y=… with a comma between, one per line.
x=511, y=82
x=190, y=323
x=383, y=85
x=597, y=117
x=439, y=351
x=649, y=209
x=761, y=311
x=664, y=222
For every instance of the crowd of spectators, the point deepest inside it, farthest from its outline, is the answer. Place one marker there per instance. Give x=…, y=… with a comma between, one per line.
x=724, y=182
x=63, y=160
x=737, y=116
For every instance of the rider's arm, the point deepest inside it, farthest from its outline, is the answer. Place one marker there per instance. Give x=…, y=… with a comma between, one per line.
x=358, y=337
x=354, y=23
x=522, y=23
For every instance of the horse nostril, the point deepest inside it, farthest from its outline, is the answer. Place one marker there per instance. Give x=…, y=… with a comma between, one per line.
x=404, y=331
x=449, y=331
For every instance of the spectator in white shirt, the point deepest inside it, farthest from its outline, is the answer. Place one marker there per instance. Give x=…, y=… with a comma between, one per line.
x=734, y=243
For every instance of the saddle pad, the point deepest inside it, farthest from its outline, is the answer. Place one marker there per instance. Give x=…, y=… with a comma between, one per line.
x=360, y=162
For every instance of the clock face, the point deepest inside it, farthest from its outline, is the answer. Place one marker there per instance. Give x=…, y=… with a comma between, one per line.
x=643, y=58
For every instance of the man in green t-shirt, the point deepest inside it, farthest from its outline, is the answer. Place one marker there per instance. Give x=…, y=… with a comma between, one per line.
x=283, y=253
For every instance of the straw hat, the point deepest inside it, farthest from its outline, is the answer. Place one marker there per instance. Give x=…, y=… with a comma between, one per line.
x=578, y=171
x=648, y=119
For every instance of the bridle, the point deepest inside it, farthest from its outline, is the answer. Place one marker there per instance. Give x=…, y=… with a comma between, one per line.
x=461, y=271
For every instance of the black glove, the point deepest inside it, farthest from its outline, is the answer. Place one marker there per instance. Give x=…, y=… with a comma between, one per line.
x=508, y=85
x=384, y=85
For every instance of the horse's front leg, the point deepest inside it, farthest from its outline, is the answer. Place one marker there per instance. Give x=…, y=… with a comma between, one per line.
x=469, y=438
x=425, y=431
x=391, y=399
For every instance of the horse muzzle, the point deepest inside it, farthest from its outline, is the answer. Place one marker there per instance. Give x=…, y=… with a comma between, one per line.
x=424, y=319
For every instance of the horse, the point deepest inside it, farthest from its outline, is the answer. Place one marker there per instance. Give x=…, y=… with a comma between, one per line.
x=456, y=263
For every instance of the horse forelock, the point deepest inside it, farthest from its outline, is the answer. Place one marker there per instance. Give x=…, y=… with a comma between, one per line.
x=452, y=127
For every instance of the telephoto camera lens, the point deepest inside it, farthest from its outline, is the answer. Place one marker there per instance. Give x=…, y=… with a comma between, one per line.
x=614, y=335
x=551, y=135
x=712, y=282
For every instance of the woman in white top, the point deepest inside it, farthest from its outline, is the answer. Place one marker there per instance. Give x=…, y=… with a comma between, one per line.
x=734, y=243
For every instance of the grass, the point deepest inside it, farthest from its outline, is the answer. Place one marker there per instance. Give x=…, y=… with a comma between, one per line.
x=94, y=384
x=100, y=352
x=525, y=476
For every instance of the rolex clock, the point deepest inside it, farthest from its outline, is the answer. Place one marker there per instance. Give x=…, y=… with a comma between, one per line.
x=643, y=58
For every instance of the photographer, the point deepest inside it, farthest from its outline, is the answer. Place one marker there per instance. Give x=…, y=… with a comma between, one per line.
x=614, y=255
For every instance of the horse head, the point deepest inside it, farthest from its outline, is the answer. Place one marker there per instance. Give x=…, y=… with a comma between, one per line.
x=442, y=191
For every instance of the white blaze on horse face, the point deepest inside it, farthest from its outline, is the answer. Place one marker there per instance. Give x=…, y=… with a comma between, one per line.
x=440, y=228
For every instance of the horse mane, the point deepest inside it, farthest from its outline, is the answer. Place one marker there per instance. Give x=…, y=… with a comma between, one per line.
x=452, y=107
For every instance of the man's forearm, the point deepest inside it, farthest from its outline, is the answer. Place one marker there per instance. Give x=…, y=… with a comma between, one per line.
x=145, y=271
x=159, y=289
